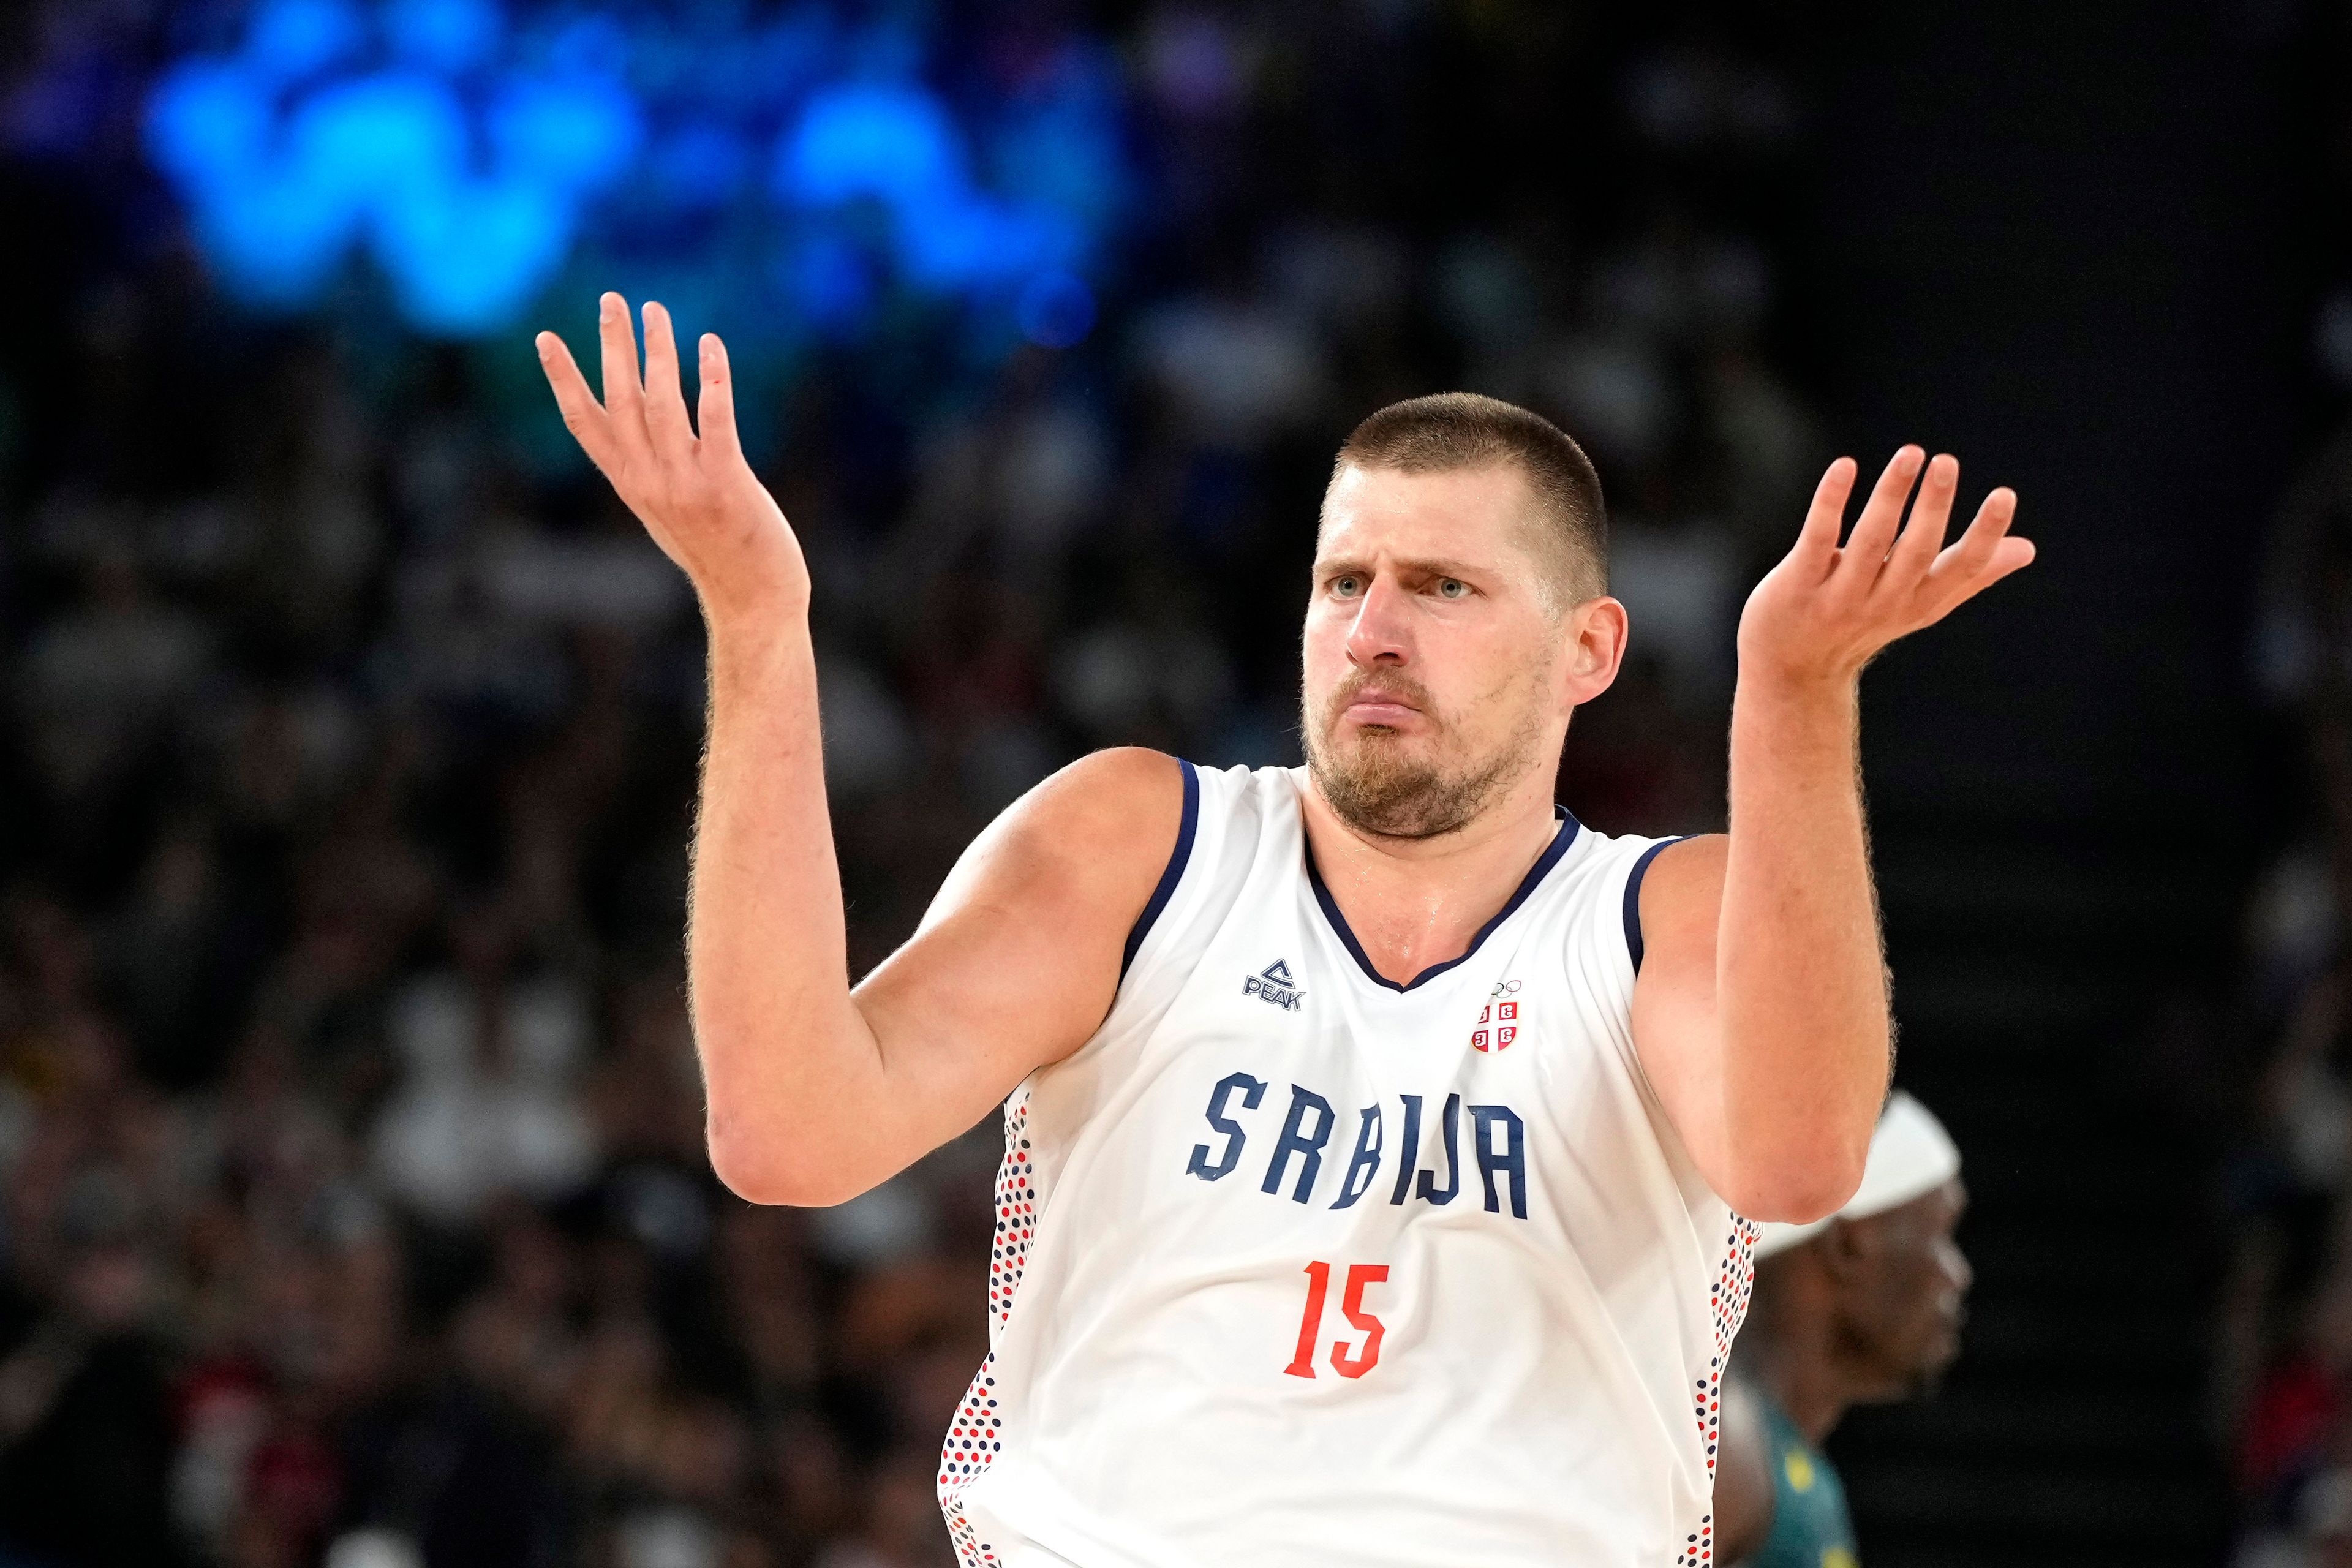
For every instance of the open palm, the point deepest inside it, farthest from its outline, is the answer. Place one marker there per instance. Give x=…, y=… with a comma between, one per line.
x=1827, y=609
x=695, y=493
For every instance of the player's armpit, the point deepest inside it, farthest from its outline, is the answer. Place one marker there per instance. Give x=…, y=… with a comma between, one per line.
x=1017, y=962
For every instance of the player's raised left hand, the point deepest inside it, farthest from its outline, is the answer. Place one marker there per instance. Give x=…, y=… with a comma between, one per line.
x=694, y=492
x=1827, y=609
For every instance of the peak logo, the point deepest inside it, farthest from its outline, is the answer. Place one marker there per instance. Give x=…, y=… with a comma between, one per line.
x=1273, y=987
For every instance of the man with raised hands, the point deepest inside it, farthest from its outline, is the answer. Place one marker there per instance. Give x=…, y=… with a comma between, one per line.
x=1381, y=1145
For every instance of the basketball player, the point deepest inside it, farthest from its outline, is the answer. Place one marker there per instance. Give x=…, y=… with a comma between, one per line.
x=1859, y=1310
x=1359, y=1202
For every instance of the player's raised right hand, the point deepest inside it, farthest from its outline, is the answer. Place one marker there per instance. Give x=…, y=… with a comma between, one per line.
x=694, y=494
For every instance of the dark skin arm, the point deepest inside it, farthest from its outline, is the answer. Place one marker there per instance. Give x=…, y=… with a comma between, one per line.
x=1743, y=1478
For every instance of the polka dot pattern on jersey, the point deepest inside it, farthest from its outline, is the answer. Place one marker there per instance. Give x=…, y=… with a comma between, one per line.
x=975, y=1438
x=1735, y=1282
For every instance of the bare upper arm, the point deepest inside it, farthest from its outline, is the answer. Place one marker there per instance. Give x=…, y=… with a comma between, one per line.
x=1674, y=1031
x=1018, y=959
x=1677, y=1036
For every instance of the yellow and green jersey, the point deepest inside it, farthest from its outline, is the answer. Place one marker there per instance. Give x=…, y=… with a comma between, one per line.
x=1811, y=1527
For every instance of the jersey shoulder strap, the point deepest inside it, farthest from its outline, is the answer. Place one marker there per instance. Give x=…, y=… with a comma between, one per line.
x=1231, y=814
x=1598, y=895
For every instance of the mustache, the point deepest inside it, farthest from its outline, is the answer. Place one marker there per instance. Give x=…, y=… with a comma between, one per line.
x=1404, y=686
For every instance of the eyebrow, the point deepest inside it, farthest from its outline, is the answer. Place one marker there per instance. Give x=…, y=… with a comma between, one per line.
x=1429, y=567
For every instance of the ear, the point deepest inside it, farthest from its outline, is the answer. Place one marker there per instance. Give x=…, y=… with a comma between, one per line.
x=1845, y=1251
x=1595, y=647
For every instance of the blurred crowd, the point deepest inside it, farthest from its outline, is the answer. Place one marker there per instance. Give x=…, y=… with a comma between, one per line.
x=2283, y=1384
x=2283, y=1363
x=355, y=1207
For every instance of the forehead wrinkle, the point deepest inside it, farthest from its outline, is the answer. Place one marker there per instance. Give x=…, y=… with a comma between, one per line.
x=1558, y=575
x=1364, y=474
x=1422, y=566
x=1516, y=541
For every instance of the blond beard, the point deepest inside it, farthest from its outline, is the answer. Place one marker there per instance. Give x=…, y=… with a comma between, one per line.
x=1383, y=792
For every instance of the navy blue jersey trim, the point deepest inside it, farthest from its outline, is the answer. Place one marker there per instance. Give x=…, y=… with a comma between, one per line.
x=1175, y=872
x=1634, y=899
x=1568, y=829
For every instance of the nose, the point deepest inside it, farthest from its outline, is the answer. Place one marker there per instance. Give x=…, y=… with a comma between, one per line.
x=1378, y=636
x=1957, y=1268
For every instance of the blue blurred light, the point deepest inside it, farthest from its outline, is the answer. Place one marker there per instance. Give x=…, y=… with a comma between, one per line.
x=376, y=142
x=206, y=121
x=469, y=146
x=591, y=45
x=893, y=143
x=949, y=243
x=278, y=245
x=467, y=256
x=1061, y=147
x=291, y=39
x=701, y=164
x=576, y=133
x=1056, y=310
x=832, y=282
x=448, y=35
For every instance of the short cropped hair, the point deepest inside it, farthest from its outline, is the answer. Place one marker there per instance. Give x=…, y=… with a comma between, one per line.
x=1452, y=430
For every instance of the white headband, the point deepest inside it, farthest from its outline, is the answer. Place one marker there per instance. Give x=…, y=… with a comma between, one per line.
x=1910, y=1156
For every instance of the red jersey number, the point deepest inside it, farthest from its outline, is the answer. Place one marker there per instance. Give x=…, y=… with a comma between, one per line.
x=1347, y=1363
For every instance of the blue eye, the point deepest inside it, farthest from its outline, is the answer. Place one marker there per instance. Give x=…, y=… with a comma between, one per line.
x=1346, y=585
x=1453, y=588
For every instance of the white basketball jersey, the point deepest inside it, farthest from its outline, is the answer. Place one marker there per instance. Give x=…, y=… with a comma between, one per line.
x=1297, y=1266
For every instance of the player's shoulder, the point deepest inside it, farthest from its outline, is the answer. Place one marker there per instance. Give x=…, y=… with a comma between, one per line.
x=1129, y=819
x=1118, y=789
x=1636, y=861
x=1650, y=887
x=1086, y=843
x=1113, y=812
x=1665, y=873
x=1696, y=861
x=1674, y=895
x=1133, y=790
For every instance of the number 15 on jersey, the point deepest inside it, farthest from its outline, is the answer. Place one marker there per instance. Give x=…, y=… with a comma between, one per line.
x=1346, y=1362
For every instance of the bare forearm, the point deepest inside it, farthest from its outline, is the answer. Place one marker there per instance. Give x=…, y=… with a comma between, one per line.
x=1761, y=1017
x=1799, y=976
x=766, y=947
x=816, y=1096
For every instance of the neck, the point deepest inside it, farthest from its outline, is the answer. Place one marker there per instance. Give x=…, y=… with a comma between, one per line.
x=1793, y=1355
x=1805, y=1385
x=1415, y=902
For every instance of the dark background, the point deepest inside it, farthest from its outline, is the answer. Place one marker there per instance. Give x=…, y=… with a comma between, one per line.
x=355, y=1204
x=2078, y=250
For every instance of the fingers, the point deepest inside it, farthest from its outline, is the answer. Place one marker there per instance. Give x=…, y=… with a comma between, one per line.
x=1874, y=530
x=1825, y=519
x=715, y=408
x=1976, y=546
x=666, y=421
x=1983, y=556
x=583, y=414
x=624, y=400
x=2011, y=555
x=1923, y=535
